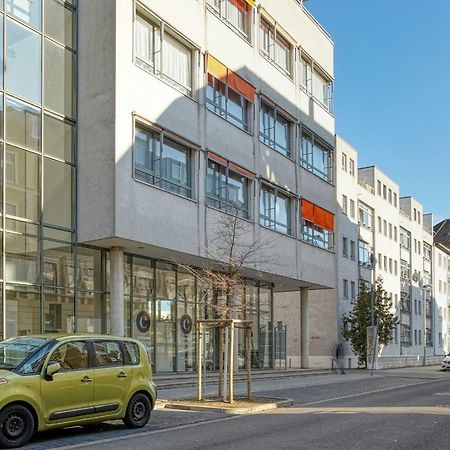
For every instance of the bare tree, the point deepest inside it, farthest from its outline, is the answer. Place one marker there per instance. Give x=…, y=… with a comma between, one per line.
x=231, y=253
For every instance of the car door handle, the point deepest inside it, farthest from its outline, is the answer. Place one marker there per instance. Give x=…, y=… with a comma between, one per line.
x=122, y=375
x=86, y=379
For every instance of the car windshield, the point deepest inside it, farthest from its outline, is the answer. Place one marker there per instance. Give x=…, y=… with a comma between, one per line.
x=14, y=351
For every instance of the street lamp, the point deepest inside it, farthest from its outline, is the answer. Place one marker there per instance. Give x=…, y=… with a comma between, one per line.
x=425, y=288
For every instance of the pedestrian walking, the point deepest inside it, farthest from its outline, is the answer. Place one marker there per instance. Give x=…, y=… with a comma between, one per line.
x=340, y=357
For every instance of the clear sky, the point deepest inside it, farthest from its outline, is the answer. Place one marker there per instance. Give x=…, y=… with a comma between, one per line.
x=392, y=89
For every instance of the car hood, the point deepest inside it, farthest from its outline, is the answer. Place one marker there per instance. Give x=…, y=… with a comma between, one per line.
x=7, y=374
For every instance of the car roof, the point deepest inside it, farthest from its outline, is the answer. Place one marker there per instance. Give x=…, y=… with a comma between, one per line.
x=70, y=336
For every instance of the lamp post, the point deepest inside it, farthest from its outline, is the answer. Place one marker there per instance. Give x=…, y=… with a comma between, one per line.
x=424, y=289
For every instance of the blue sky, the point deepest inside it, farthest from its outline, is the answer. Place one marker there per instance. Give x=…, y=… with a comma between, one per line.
x=392, y=89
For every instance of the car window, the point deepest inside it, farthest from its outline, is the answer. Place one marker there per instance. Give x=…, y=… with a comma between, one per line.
x=71, y=355
x=133, y=352
x=108, y=353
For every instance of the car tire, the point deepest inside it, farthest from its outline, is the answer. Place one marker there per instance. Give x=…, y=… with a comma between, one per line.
x=16, y=426
x=138, y=411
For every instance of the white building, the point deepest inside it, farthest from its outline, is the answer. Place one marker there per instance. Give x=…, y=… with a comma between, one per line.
x=394, y=241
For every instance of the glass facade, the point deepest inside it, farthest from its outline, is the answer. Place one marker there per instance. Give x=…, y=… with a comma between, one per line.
x=172, y=301
x=44, y=276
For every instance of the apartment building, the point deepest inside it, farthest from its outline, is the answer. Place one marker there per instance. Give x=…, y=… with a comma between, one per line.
x=129, y=129
x=395, y=242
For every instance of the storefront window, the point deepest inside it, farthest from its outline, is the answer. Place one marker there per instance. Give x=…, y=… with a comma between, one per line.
x=265, y=328
x=186, y=318
x=22, y=258
x=58, y=267
x=59, y=311
x=22, y=310
x=91, y=312
x=89, y=269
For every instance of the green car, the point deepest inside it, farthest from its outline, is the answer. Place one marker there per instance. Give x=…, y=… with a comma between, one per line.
x=50, y=381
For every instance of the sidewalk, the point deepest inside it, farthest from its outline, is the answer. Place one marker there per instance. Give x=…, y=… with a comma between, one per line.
x=172, y=387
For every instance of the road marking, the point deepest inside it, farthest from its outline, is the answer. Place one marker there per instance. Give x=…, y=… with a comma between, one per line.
x=435, y=410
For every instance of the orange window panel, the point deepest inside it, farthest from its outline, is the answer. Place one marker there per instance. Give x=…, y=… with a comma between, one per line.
x=307, y=210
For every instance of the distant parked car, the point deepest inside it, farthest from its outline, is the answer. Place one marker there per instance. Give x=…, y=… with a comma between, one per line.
x=50, y=381
x=446, y=362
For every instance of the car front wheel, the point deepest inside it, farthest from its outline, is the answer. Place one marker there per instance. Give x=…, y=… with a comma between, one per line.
x=16, y=426
x=138, y=411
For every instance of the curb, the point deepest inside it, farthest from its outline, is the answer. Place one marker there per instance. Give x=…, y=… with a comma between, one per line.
x=272, y=403
x=175, y=383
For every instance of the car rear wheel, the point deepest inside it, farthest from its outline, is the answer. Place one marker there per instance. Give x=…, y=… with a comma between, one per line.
x=138, y=411
x=16, y=426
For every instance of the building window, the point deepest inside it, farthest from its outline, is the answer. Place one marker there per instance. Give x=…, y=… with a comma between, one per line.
x=390, y=231
x=352, y=250
x=351, y=167
x=306, y=74
x=395, y=199
x=162, y=52
x=345, y=247
x=385, y=227
x=274, y=129
x=365, y=215
x=344, y=204
x=275, y=209
x=379, y=225
x=365, y=255
x=379, y=187
x=344, y=162
x=352, y=208
x=384, y=191
x=395, y=268
x=427, y=252
x=345, y=286
x=322, y=89
x=161, y=161
x=227, y=186
x=405, y=334
x=236, y=13
x=274, y=47
x=317, y=225
x=228, y=95
x=353, y=290
x=315, y=156
x=390, y=195
x=380, y=261
x=405, y=239
x=405, y=272
x=395, y=234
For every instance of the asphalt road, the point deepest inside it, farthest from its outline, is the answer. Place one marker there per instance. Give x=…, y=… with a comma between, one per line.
x=392, y=412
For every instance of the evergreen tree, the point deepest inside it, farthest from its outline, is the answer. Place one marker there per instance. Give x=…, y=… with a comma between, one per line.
x=357, y=321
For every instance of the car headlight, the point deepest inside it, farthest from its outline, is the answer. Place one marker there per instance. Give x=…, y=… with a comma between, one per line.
x=3, y=381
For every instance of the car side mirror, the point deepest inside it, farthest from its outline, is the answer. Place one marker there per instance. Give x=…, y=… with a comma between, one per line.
x=52, y=369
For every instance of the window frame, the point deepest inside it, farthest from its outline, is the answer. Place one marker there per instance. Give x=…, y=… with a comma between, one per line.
x=155, y=67
x=158, y=181
x=220, y=9
x=324, y=147
x=223, y=110
x=267, y=221
x=224, y=203
x=266, y=139
x=274, y=39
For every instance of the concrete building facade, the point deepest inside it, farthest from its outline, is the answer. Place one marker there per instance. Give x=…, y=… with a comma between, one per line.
x=130, y=130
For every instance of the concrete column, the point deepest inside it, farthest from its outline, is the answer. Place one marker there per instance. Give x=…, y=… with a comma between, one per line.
x=304, y=328
x=117, y=300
